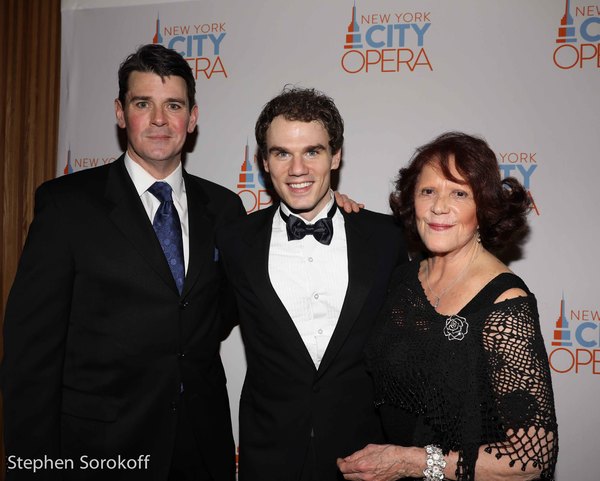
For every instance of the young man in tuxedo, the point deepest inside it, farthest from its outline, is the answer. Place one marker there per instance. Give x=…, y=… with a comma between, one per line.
x=114, y=321
x=309, y=281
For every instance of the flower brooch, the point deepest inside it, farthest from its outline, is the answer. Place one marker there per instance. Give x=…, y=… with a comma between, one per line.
x=456, y=328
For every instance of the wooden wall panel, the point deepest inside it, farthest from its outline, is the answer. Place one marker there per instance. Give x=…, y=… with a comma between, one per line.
x=29, y=106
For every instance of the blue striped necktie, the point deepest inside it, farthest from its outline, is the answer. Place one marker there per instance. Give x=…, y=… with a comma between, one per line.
x=168, y=230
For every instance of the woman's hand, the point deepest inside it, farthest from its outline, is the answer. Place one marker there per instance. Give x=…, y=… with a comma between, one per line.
x=379, y=462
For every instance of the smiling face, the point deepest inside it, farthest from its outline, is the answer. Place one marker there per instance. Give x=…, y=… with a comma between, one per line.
x=445, y=211
x=157, y=118
x=300, y=162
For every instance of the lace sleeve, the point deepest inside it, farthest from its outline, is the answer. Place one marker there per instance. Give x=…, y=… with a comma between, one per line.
x=519, y=375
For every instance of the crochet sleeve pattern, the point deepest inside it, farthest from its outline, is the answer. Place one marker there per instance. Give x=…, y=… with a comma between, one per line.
x=519, y=376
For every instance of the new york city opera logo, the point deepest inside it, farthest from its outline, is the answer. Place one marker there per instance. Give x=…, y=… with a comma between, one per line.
x=386, y=42
x=578, y=37
x=251, y=185
x=201, y=44
x=84, y=162
x=575, y=346
x=523, y=167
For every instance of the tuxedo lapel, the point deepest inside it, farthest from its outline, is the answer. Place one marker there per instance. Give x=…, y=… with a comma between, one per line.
x=131, y=219
x=201, y=232
x=258, y=240
x=361, y=261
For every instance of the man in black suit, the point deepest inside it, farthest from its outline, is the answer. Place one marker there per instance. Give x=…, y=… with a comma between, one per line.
x=309, y=281
x=111, y=351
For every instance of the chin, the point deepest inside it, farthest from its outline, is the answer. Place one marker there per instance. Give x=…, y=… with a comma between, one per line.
x=298, y=204
x=300, y=209
x=439, y=250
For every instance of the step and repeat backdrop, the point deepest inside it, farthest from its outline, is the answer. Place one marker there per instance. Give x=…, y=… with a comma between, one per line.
x=525, y=75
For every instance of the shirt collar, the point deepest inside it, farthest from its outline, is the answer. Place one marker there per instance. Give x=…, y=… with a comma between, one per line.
x=321, y=215
x=143, y=180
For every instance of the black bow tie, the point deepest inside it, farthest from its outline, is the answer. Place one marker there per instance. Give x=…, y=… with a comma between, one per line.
x=322, y=230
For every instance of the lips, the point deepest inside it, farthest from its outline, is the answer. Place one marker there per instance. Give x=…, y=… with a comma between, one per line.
x=300, y=185
x=160, y=135
x=440, y=227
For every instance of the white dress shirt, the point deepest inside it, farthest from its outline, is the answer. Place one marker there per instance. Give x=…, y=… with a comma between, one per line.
x=143, y=181
x=310, y=279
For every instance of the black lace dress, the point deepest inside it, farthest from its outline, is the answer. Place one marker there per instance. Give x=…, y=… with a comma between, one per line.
x=480, y=377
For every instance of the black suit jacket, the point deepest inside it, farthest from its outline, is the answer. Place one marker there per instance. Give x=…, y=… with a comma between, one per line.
x=97, y=339
x=285, y=400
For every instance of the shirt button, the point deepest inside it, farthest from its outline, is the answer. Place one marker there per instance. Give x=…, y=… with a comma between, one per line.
x=320, y=331
x=316, y=296
x=310, y=259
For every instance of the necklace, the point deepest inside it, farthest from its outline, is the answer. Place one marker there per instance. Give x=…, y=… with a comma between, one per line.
x=438, y=297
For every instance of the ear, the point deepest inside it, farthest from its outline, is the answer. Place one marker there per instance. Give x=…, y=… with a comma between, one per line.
x=265, y=163
x=193, y=119
x=336, y=159
x=120, y=114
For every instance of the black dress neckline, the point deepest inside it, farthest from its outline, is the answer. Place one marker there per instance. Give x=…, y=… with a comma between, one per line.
x=499, y=284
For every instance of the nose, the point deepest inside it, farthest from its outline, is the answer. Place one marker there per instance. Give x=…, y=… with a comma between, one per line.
x=158, y=117
x=297, y=166
x=440, y=205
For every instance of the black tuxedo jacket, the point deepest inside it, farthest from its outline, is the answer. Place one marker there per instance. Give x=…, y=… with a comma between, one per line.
x=98, y=340
x=285, y=400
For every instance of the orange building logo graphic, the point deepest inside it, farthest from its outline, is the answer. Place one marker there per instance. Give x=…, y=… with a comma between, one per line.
x=566, y=31
x=562, y=333
x=251, y=184
x=353, y=37
x=157, y=36
x=246, y=178
x=68, y=167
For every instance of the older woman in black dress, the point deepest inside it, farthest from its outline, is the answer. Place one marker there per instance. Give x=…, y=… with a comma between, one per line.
x=459, y=364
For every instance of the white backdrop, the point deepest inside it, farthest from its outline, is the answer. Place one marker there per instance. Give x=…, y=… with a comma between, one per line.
x=523, y=74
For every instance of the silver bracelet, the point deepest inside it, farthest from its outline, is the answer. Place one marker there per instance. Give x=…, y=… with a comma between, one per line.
x=435, y=463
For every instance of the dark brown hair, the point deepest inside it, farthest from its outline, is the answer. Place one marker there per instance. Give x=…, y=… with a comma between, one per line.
x=304, y=105
x=164, y=62
x=502, y=205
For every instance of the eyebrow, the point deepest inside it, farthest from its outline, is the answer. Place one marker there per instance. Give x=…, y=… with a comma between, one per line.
x=147, y=98
x=315, y=147
x=276, y=148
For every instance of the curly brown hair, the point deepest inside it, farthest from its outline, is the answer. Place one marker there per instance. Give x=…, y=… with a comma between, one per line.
x=502, y=205
x=304, y=105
